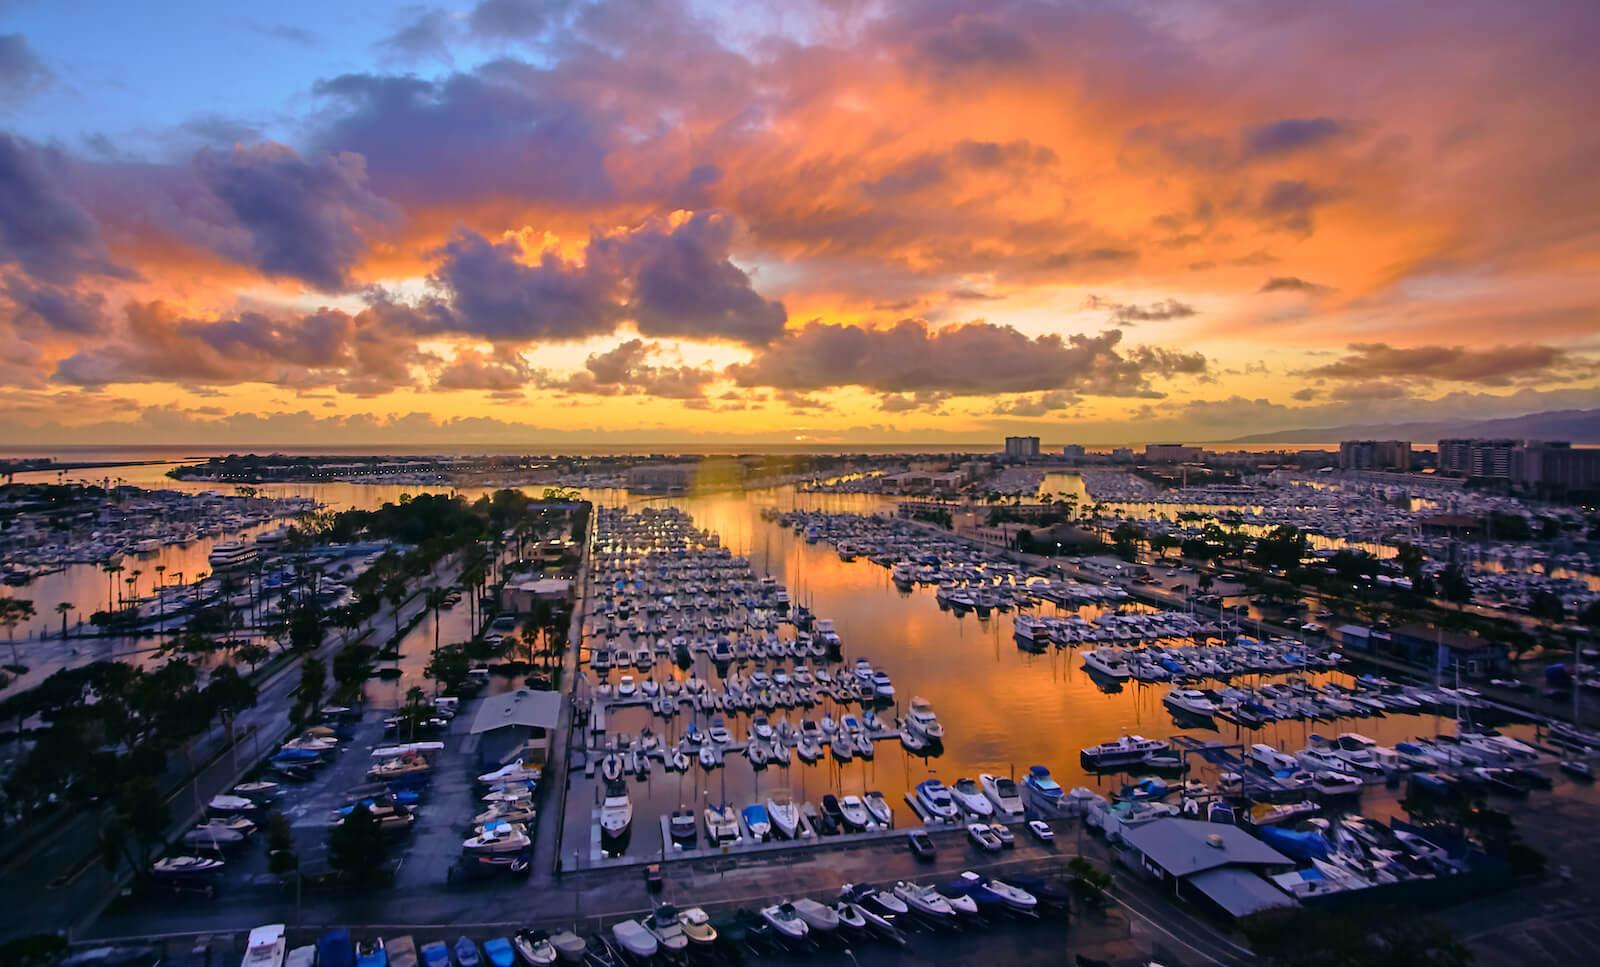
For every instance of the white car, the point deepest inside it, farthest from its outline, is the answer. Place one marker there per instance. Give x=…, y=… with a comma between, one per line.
x=1041, y=830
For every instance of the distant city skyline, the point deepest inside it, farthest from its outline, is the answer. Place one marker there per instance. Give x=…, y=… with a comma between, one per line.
x=517, y=223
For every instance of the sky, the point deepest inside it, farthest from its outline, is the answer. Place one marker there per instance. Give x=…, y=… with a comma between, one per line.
x=786, y=222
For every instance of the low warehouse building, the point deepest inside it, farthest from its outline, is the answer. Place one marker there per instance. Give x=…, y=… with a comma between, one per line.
x=516, y=725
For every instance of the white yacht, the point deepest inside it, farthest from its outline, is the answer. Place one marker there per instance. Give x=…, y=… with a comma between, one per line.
x=1363, y=753
x=231, y=555
x=1125, y=750
x=1107, y=663
x=935, y=799
x=854, y=812
x=1189, y=701
x=924, y=900
x=970, y=797
x=1271, y=759
x=784, y=813
x=616, y=815
x=498, y=838
x=722, y=824
x=266, y=947
x=921, y=720
x=1003, y=792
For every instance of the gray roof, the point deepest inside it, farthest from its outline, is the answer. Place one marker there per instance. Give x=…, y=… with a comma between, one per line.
x=1184, y=846
x=523, y=707
x=1240, y=892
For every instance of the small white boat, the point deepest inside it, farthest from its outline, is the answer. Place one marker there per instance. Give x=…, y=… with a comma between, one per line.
x=1190, y=702
x=1331, y=783
x=668, y=930
x=970, y=797
x=878, y=807
x=1003, y=793
x=785, y=921
x=784, y=813
x=1271, y=759
x=697, y=926
x=710, y=758
x=935, y=799
x=227, y=805
x=498, y=838
x=818, y=917
x=515, y=771
x=924, y=900
x=1013, y=896
x=634, y=939
x=186, y=866
x=722, y=824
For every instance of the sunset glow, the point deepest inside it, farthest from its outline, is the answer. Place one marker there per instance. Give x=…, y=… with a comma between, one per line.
x=517, y=222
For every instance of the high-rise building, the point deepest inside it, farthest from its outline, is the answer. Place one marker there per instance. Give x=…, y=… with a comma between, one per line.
x=1554, y=464
x=1375, y=455
x=1455, y=457
x=1073, y=451
x=1491, y=459
x=1022, y=447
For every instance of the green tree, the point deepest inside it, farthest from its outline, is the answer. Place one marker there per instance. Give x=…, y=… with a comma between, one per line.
x=229, y=693
x=313, y=683
x=1547, y=606
x=252, y=654
x=14, y=611
x=305, y=628
x=63, y=609
x=138, y=824
x=1283, y=547
x=448, y=667
x=1300, y=937
x=357, y=846
x=1454, y=586
x=1590, y=618
x=281, y=857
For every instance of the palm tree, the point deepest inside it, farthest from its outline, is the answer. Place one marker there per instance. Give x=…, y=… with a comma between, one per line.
x=62, y=610
x=14, y=611
x=112, y=570
x=435, y=600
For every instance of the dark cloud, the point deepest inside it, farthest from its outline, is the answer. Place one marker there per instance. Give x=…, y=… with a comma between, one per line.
x=1037, y=405
x=496, y=295
x=1372, y=389
x=625, y=370
x=678, y=281
x=1289, y=135
x=288, y=32
x=153, y=343
x=1496, y=366
x=22, y=73
x=1290, y=204
x=43, y=228
x=906, y=179
x=465, y=136
x=973, y=295
x=503, y=370
x=969, y=43
x=1127, y=313
x=426, y=35
x=1157, y=144
x=1078, y=258
x=930, y=170
x=1307, y=394
x=220, y=131
x=1289, y=283
x=62, y=310
x=512, y=19
x=969, y=359
x=303, y=218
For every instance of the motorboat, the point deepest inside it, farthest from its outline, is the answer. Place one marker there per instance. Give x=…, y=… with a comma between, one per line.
x=843, y=746
x=534, y=948
x=498, y=839
x=265, y=947
x=722, y=825
x=435, y=954
x=784, y=814
x=185, y=867
x=515, y=771
x=756, y=820
x=882, y=687
x=1271, y=759
x=719, y=731
x=854, y=812
x=681, y=826
x=1107, y=663
x=761, y=727
x=225, y=805
x=218, y=834
x=634, y=939
x=818, y=917
x=569, y=946
x=935, y=800
x=1126, y=750
x=259, y=790
x=400, y=951
x=1190, y=702
x=924, y=900
x=808, y=749
x=616, y=815
x=1331, y=783
x=1323, y=758
x=669, y=932
x=499, y=952
x=466, y=952
x=852, y=919
x=785, y=921
x=1044, y=790
x=697, y=926
x=878, y=807
x=971, y=798
x=1002, y=793
x=1362, y=753
x=871, y=898
x=1014, y=897
x=709, y=757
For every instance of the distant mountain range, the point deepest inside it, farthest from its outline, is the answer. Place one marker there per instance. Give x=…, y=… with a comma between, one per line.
x=1578, y=426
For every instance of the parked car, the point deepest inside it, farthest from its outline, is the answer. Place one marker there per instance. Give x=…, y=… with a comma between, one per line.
x=921, y=845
